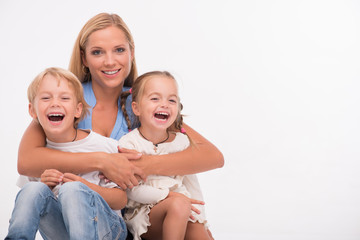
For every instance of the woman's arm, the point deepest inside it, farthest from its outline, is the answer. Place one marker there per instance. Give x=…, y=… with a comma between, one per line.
x=203, y=157
x=34, y=158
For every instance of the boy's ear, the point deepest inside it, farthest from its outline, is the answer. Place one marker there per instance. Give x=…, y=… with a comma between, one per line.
x=32, y=111
x=135, y=108
x=78, y=110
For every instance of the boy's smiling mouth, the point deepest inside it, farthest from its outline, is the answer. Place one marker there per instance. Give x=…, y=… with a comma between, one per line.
x=55, y=117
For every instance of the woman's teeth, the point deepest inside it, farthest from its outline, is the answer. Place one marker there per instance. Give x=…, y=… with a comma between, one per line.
x=111, y=72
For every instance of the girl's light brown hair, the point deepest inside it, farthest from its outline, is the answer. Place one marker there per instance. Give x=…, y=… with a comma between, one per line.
x=99, y=22
x=59, y=73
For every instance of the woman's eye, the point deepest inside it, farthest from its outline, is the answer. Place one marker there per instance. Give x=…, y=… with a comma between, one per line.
x=96, y=52
x=120, y=50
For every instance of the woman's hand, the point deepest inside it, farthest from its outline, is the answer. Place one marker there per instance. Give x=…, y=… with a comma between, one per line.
x=52, y=177
x=121, y=171
x=192, y=201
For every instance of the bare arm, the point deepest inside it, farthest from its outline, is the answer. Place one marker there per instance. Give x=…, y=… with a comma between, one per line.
x=205, y=156
x=34, y=158
x=115, y=197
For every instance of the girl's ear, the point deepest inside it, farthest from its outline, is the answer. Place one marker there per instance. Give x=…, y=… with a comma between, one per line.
x=78, y=110
x=135, y=108
x=32, y=111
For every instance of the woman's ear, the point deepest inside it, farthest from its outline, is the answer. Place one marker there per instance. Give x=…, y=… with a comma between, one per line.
x=83, y=58
x=135, y=108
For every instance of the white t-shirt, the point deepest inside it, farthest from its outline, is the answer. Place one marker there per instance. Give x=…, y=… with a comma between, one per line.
x=94, y=142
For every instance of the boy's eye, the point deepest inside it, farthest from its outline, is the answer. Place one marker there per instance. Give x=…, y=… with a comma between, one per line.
x=154, y=99
x=65, y=98
x=44, y=98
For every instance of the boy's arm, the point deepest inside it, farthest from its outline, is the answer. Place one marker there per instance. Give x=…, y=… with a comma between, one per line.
x=115, y=197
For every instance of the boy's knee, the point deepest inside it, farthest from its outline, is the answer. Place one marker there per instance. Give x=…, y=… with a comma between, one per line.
x=34, y=189
x=72, y=188
x=73, y=193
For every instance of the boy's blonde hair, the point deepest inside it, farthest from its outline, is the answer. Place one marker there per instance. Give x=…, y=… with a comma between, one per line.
x=59, y=73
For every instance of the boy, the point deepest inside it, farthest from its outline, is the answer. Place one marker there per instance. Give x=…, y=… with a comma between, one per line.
x=79, y=206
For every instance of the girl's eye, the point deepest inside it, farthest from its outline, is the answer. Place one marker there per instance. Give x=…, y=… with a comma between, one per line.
x=172, y=100
x=65, y=98
x=154, y=99
x=120, y=50
x=96, y=52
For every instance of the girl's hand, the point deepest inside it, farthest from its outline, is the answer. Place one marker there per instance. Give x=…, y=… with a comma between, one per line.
x=121, y=171
x=192, y=201
x=52, y=177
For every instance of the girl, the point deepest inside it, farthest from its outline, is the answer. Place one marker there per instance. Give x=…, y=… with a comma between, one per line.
x=161, y=207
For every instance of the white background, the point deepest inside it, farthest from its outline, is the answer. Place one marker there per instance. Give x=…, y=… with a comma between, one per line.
x=274, y=84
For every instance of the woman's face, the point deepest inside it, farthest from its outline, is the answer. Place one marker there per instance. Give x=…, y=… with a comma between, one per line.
x=108, y=57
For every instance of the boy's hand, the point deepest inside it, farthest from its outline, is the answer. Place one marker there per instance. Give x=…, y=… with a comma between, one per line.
x=70, y=177
x=52, y=177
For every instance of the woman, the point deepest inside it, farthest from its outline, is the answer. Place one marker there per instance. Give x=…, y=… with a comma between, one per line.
x=104, y=61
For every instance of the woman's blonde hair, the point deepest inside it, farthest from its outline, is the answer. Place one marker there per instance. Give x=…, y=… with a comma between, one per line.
x=59, y=73
x=99, y=22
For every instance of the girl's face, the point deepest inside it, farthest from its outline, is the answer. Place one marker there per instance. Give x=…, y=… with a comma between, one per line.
x=55, y=107
x=158, y=107
x=108, y=57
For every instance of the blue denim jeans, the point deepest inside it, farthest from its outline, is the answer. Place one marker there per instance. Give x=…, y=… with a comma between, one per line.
x=78, y=213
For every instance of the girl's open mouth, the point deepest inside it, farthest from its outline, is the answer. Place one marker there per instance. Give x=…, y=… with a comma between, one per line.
x=161, y=116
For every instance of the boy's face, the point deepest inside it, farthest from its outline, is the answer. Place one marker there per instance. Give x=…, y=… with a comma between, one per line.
x=55, y=107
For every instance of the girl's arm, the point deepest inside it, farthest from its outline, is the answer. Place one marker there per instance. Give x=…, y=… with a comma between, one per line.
x=34, y=158
x=146, y=194
x=115, y=197
x=202, y=157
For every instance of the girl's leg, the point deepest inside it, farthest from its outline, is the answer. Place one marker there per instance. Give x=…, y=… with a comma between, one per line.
x=196, y=231
x=87, y=215
x=169, y=219
x=35, y=205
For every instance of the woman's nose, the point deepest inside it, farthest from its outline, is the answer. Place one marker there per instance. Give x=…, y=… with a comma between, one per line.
x=109, y=59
